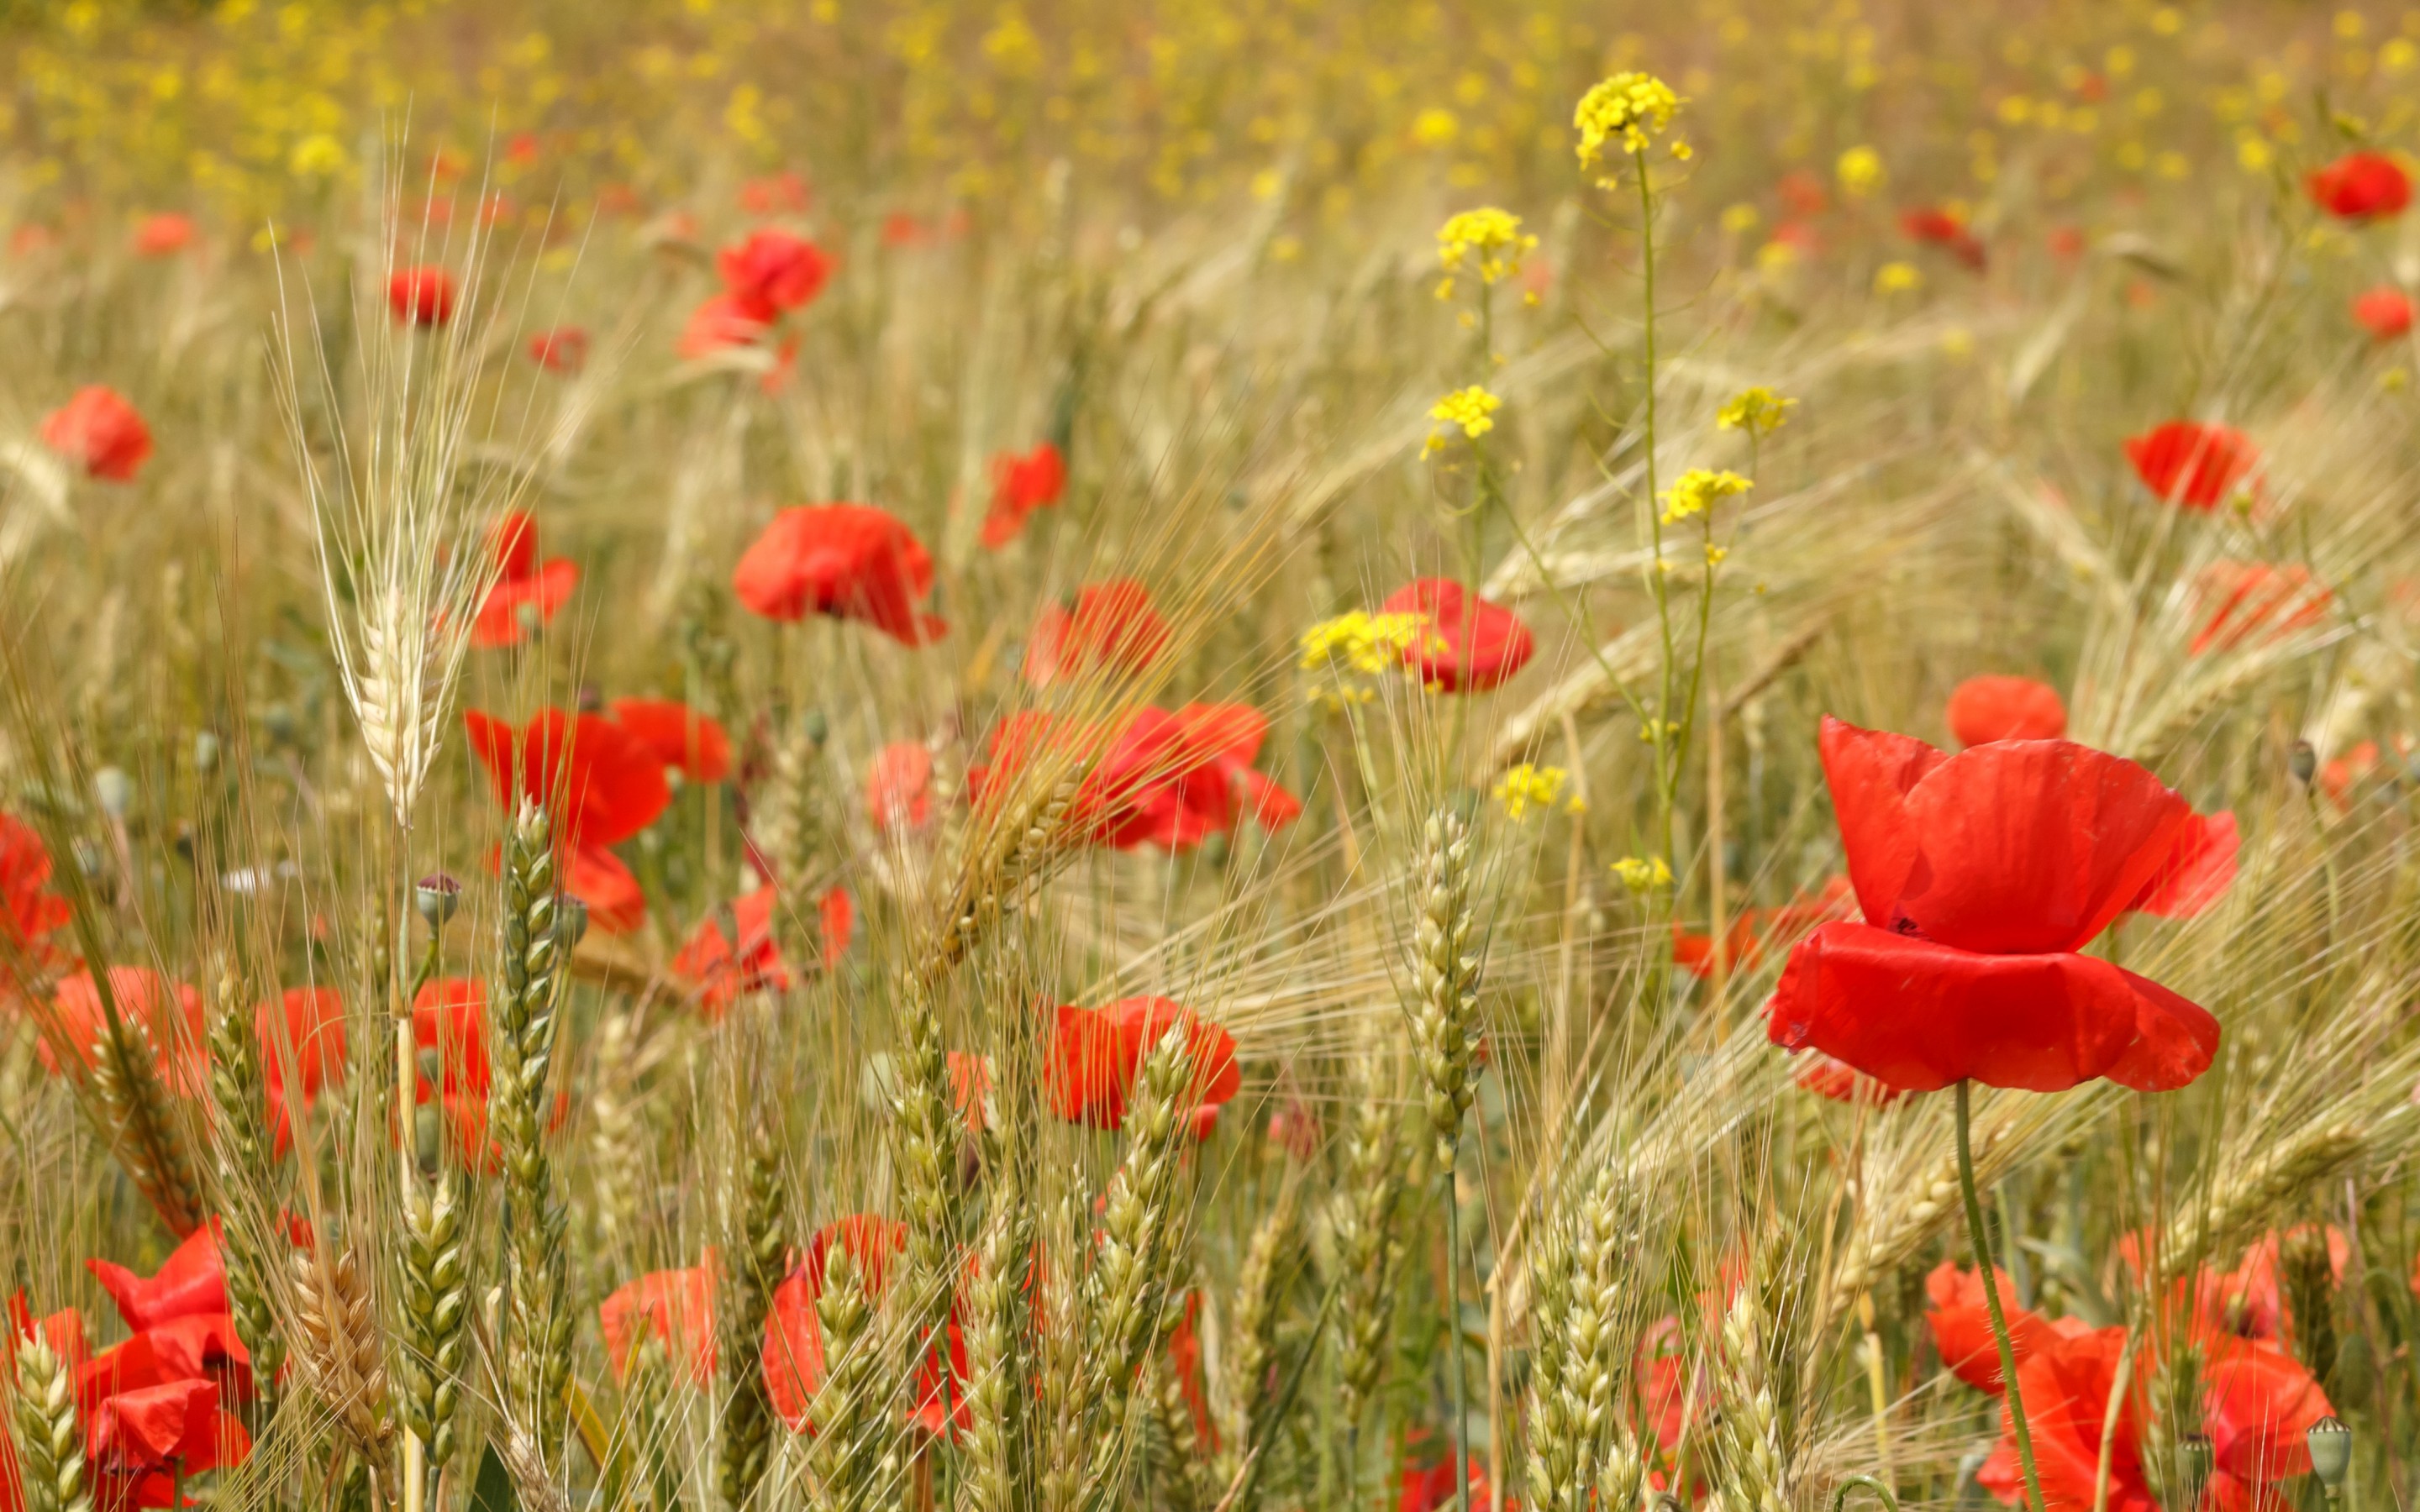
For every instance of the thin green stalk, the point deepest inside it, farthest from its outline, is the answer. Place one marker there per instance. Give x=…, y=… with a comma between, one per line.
x=1460, y=1374
x=1982, y=1248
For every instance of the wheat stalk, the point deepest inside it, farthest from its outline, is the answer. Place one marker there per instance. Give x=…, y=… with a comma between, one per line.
x=50, y=1442
x=521, y=1034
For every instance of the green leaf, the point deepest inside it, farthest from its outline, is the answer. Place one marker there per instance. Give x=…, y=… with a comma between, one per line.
x=492, y=1492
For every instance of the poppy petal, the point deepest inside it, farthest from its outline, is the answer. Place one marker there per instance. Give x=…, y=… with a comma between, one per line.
x=1871, y=772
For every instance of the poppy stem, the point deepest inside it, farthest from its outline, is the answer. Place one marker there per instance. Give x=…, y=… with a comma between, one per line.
x=1461, y=1448
x=1980, y=1241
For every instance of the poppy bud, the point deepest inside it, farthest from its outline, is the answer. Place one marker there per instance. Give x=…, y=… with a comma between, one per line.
x=114, y=790
x=2303, y=760
x=570, y=920
x=425, y=1133
x=437, y=896
x=2331, y=1445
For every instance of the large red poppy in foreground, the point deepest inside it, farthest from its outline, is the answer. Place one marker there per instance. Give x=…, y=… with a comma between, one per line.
x=1982, y=875
x=853, y=562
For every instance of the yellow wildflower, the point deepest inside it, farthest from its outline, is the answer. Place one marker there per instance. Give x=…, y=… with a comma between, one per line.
x=1631, y=106
x=1860, y=172
x=1360, y=643
x=1741, y=218
x=1525, y=787
x=1896, y=278
x=1698, y=489
x=1714, y=555
x=1472, y=408
x=1639, y=874
x=1756, y=410
x=1488, y=240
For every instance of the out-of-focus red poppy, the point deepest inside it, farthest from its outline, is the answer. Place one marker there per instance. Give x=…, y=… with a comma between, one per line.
x=30, y=913
x=449, y=1018
x=1804, y=193
x=1185, y=1366
x=168, y=1015
x=307, y=1026
x=2361, y=186
x=2384, y=312
x=677, y=1306
x=562, y=349
x=1464, y=645
x=2198, y=873
x=527, y=591
x=190, y=1283
x=2249, y=1302
x=99, y=430
x=1961, y=1322
x=619, y=199
x=149, y=1424
x=1427, y=1487
x=901, y=229
x=681, y=738
x=1094, y=1055
x=1755, y=931
x=724, y=969
x=970, y=1089
x=774, y=193
x=786, y=367
x=724, y=321
x=603, y=784
x=853, y=562
x=2066, y=243
x=793, y=1342
x=899, y=786
x=2241, y=599
x=1111, y=626
x=2191, y=465
x=1172, y=780
x=163, y=235
x=1019, y=485
x=421, y=296
x=2340, y=775
x=521, y=148
x=773, y=269
x=1814, y=1071
x=1983, y=709
x=1981, y=877
x=1939, y=227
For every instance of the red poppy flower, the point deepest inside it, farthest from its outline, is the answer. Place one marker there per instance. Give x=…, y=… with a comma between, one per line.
x=724, y=321
x=784, y=190
x=2066, y=243
x=680, y=737
x=679, y=1308
x=564, y=349
x=175, y=1029
x=2360, y=186
x=794, y=1340
x=421, y=296
x=2198, y=873
x=899, y=786
x=850, y=560
x=1802, y=193
x=901, y=229
x=1814, y=1071
x=307, y=1026
x=1172, y=780
x=146, y=1427
x=99, y=430
x=163, y=235
x=190, y=1283
x=970, y=1089
x=1426, y=1488
x=1185, y=1366
x=2249, y=1303
x=1961, y=1322
x=1461, y=650
x=1111, y=626
x=527, y=592
x=1980, y=877
x=2384, y=312
x=603, y=782
x=777, y=269
x=2341, y=773
x=1755, y=931
x=2239, y=600
x=449, y=1017
x=724, y=969
x=30, y=913
x=2192, y=466
x=1984, y=709
x=1093, y=1056
x=1940, y=227
x=1019, y=485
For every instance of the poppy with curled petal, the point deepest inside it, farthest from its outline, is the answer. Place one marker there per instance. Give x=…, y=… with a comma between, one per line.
x=1093, y=1056
x=2360, y=186
x=899, y=786
x=1758, y=931
x=1981, y=877
x=190, y=1283
x=1172, y=780
x=1961, y=1320
x=2384, y=312
x=1109, y=626
x=305, y=1029
x=2239, y=600
x=1817, y=1072
x=1466, y=645
x=2198, y=873
x=168, y=1014
x=2191, y=465
x=773, y=269
x=1984, y=709
x=1019, y=485
x=681, y=738
x=420, y=296
x=728, y=960
x=724, y=321
x=100, y=432
x=794, y=1340
x=527, y=591
x=148, y=1425
x=677, y=1306
x=853, y=562
x=603, y=783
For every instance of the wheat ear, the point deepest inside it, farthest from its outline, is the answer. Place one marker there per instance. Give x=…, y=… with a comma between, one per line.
x=522, y=1018
x=337, y=1349
x=847, y=1410
x=237, y=1092
x=751, y=1269
x=50, y=1442
x=437, y=1316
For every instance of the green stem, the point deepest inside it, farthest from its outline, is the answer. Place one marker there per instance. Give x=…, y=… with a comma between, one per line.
x=1461, y=1378
x=1982, y=1248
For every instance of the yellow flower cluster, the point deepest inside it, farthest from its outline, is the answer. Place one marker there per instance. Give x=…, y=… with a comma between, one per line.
x=1631, y=106
x=1698, y=491
x=1756, y=410
x=1639, y=875
x=1359, y=642
x=1898, y=278
x=1488, y=240
x=1472, y=408
x=1860, y=172
x=1525, y=787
